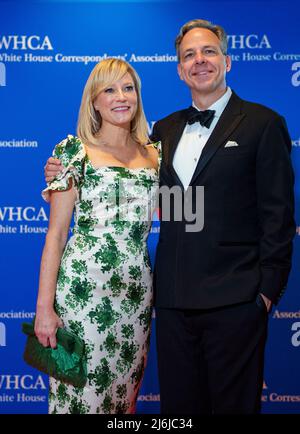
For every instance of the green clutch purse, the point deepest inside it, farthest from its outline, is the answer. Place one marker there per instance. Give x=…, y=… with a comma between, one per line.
x=66, y=363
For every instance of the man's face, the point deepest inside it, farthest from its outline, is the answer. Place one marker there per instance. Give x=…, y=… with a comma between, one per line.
x=202, y=65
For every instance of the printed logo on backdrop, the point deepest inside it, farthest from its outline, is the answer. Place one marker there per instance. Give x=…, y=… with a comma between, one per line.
x=23, y=42
x=8, y=316
x=23, y=220
x=295, y=327
x=22, y=388
x=31, y=45
x=296, y=75
x=275, y=397
x=15, y=143
x=40, y=49
x=151, y=397
x=296, y=336
x=257, y=48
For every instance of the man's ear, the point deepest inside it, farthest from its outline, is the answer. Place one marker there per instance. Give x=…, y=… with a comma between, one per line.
x=228, y=63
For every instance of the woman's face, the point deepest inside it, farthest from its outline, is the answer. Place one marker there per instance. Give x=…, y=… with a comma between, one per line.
x=117, y=103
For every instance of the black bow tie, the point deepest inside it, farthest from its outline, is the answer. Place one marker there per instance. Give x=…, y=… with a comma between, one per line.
x=205, y=118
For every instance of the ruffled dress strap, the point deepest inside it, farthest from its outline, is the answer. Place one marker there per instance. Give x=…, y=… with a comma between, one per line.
x=71, y=154
x=157, y=146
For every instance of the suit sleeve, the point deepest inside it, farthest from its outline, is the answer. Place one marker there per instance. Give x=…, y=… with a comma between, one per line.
x=155, y=135
x=274, y=183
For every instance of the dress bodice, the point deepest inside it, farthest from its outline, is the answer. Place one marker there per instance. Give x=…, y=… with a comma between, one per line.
x=110, y=200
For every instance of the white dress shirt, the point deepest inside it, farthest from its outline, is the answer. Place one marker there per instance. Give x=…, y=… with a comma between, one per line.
x=193, y=140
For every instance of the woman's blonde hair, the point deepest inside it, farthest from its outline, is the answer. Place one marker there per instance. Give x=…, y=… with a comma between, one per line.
x=104, y=74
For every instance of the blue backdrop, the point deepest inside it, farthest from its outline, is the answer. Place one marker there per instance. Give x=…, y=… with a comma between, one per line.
x=47, y=50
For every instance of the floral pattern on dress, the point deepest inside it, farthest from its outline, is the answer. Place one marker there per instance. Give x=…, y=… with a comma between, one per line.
x=104, y=285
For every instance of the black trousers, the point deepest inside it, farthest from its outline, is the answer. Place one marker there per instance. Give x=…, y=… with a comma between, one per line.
x=211, y=361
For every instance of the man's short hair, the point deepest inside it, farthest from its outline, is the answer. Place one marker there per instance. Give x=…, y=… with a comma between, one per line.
x=202, y=24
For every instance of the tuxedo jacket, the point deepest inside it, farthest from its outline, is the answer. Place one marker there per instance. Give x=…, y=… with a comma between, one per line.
x=245, y=246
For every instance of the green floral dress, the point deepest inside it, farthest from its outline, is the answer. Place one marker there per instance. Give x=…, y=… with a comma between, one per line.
x=104, y=285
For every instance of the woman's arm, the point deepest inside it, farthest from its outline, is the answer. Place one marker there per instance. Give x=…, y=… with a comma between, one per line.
x=61, y=210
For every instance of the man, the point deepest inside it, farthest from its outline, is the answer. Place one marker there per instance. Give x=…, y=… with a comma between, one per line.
x=214, y=287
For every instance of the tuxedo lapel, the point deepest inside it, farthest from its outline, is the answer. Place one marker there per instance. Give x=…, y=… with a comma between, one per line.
x=171, y=141
x=229, y=120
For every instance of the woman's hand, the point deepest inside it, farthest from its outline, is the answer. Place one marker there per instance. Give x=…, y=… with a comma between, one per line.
x=46, y=324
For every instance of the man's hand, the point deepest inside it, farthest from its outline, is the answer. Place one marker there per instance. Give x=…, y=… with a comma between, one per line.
x=267, y=301
x=52, y=168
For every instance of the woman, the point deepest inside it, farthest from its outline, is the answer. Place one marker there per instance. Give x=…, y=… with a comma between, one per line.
x=99, y=284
